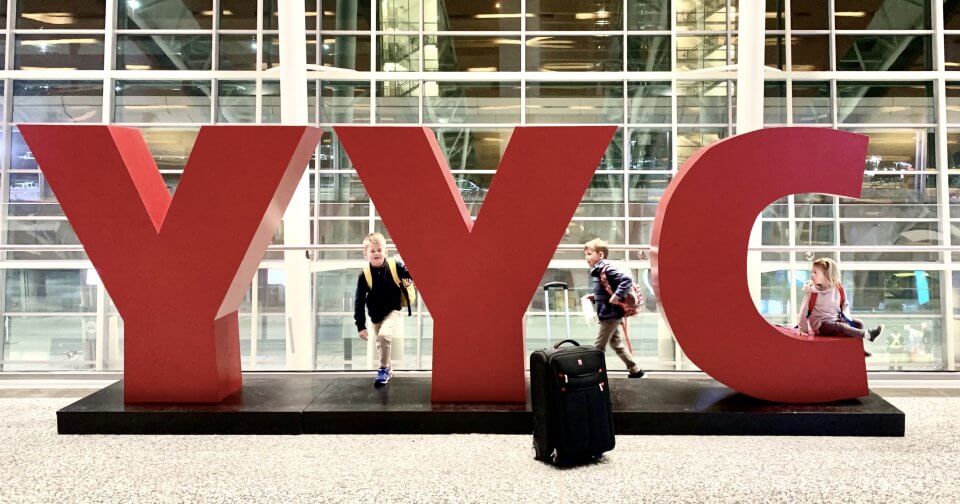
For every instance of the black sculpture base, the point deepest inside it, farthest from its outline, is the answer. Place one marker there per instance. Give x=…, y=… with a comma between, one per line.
x=338, y=404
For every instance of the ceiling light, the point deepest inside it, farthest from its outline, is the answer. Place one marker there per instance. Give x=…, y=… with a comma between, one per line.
x=855, y=14
x=499, y=16
x=54, y=18
x=46, y=42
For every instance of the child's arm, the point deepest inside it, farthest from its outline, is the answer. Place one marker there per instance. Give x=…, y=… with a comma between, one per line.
x=359, y=301
x=620, y=281
x=845, y=309
x=802, y=321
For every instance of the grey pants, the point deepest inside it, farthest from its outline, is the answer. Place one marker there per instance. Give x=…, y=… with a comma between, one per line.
x=383, y=333
x=611, y=333
x=839, y=328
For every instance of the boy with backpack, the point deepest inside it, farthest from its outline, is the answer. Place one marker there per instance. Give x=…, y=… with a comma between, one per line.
x=615, y=296
x=384, y=287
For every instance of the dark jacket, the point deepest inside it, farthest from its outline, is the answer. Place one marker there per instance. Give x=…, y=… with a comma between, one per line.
x=382, y=299
x=620, y=281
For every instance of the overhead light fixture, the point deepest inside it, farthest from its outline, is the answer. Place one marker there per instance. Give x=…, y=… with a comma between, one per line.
x=567, y=67
x=53, y=18
x=138, y=67
x=853, y=14
x=46, y=42
x=499, y=16
x=482, y=69
x=600, y=14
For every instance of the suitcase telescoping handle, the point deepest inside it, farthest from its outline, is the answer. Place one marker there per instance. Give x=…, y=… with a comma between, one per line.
x=566, y=304
x=565, y=341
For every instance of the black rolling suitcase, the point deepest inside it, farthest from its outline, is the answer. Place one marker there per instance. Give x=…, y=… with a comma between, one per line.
x=570, y=396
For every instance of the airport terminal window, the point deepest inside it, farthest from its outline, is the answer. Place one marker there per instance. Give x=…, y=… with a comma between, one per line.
x=345, y=102
x=584, y=103
x=399, y=101
x=455, y=15
x=57, y=101
x=62, y=14
x=472, y=102
x=162, y=101
x=883, y=53
x=238, y=52
x=353, y=52
x=645, y=192
x=810, y=53
x=881, y=102
x=648, y=15
x=165, y=15
x=471, y=54
x=170, y=147
x=165, y=52
x=238, y=15
x=700, y=15
x=649, y=102
x=473, y=148
x=340, y=15
x=885, y=15
x=648, y=53
x=775, y=102
x=650, y=149
x=574, y=54
x=64, y=52
x=563, y=15
x=236, y=101
x=812, y=103
x=399, y=15
x=395, y=53
x=703, y=102
x=698, y=52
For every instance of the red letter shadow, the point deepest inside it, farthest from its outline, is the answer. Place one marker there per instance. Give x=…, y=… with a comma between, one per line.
x=477, y=277
x=177, y=268
x=699, y=263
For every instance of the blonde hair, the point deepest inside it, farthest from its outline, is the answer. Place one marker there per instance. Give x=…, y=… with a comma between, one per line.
x=829, y=268
x=374, y=238
x=598, y=245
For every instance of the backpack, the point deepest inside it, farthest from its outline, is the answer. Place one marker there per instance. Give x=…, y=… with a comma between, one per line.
x=843, y=300
x=634, y=300
x=408, y=293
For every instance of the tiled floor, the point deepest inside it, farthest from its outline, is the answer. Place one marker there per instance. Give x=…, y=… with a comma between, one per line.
x=40, y=466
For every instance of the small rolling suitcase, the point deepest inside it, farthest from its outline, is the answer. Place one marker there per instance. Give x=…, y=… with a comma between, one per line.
x=570, y=396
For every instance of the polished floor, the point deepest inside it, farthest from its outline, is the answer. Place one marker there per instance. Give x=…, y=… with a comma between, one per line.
x=41, y=466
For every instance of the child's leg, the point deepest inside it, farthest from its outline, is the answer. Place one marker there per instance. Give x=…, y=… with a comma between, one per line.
x=837, y=328
x=619, y=346
x=385, y=333
x=607, y=329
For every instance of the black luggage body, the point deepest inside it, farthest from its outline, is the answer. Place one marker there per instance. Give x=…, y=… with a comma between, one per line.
x=570, y=396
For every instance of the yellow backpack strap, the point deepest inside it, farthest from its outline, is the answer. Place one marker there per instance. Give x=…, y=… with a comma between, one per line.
x=392, y=264
x=367, y=276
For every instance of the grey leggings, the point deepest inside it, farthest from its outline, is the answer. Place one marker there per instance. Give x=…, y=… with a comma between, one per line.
x=840, y=328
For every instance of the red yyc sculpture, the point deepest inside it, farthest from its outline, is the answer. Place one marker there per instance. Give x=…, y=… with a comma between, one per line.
x=699, y=262
x=176, y=267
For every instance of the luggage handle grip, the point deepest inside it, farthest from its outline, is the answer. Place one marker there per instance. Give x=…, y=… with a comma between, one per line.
x=565, y=341
x=555, y=285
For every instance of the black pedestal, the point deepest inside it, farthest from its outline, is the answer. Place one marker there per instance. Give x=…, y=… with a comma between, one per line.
x=337, y=404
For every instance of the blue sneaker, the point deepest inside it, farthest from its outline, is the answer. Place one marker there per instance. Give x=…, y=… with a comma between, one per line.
x=383, y=376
